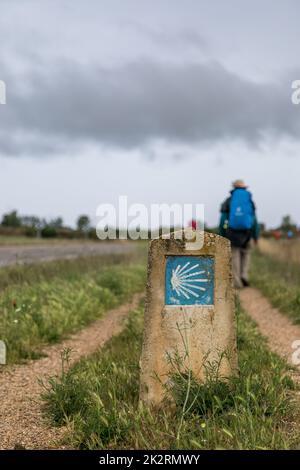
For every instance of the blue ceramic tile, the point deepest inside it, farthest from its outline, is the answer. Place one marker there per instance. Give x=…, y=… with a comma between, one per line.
x=189, y=280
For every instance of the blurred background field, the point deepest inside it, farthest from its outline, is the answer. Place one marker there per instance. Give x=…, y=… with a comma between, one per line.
x=275, y=270
x=41, y=303
x=284, y=250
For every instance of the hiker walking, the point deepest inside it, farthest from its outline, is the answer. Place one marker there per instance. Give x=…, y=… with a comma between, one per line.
x=238, y=223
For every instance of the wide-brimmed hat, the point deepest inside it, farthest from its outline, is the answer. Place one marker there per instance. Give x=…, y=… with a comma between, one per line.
x=239, y=184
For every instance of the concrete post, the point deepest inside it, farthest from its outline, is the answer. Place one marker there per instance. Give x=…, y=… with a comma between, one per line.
x=189, y=307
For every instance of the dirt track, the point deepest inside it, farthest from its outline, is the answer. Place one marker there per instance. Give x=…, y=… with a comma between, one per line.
x=276, y=327
x=65, y=250
x=22, y=423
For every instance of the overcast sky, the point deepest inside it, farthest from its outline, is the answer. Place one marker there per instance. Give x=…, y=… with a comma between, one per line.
x=161, y=100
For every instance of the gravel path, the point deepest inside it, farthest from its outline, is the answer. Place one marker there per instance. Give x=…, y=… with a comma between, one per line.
x=21, y=422
x=64, y=250
x=276, y=327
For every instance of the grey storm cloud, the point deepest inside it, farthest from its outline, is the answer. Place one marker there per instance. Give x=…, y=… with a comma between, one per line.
x=133, y=104
x=182, y=38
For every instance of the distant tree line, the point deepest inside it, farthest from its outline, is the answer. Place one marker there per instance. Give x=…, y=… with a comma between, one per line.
x=32, y=226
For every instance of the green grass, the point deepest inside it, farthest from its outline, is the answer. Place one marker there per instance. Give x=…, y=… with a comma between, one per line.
x=279, y=281
x=40, y=304
x=13, y=240
x=64, y=268
x=7, y=240
x=98, y=399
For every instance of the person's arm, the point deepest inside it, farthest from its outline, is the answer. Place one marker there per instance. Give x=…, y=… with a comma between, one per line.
x=224, y=217
x=255, y=229
x=222, y=224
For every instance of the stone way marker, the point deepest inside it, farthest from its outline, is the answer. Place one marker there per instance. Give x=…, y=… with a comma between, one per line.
x=189, y=312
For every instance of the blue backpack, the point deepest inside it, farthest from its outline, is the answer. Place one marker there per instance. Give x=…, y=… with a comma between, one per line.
x=241, y=215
